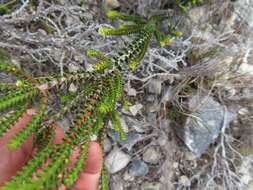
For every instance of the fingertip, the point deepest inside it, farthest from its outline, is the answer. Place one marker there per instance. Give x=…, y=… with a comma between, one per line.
x=95, y=159
x=89, y=178
x=59, y=134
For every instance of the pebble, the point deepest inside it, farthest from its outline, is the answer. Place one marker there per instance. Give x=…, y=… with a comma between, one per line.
x=107, y=145
x=155, y=86
x=139, y=126
x=185, y=181
x=73, y=87
x=135, y=109
x=243, y=111
x=151, y=186
x=152, y=155
x=138, y=168
x=116, y=160
x=131, y=138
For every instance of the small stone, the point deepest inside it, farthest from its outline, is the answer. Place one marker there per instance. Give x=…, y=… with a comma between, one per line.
x=111, y=4
x=246, y=69
x=73, y=68
x=138, y=168
x=135, y=109
x=151, y=98
x=116, y=183
x=139, y=126
x=203, y=127
x=42, y=32
x=151, y=186
x=73, y=87
x=175, y=165
x=128, y=177
x=131, y=138
x=243, y=111
x=162, y=138
x=116, y=160
x=155, y=86
x=131, y=92
x=107, y=145
x=152, y=155
x=185, y=181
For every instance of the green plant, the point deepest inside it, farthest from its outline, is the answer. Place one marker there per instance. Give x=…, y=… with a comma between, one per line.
x=93, y=106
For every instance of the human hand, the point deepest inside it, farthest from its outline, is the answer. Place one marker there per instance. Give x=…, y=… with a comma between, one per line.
x=12, y=161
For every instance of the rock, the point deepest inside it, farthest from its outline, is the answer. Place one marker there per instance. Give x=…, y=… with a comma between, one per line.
x=151, y=186
x=116, y=160
x=107, y=145
x=131, y=138
x=135, y=109
x=139, y=126
x=151, y=98
x=73, y=68
x=185, y=181
x=243, y=111
x=111, y=4
x=162, y=138
x=151, y=118
x=131, y=92
x=167, y=95
x=152, y=155
x=155, y=86
x=128, y=177
x=244, y=8
x=116, y=183
x=72, y=87
x=138, y=168
x=204, y=125
x=245, y=171
x=246, y=69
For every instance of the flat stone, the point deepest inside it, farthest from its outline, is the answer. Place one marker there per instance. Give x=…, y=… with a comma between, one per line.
x=204, y=125
x=138, y=168
x=155, y=86
x=152, y=155
x=131, y=138
x=139, y=126
x=151, y=186
x=116, y=160
x=135, y=109
x=107, y=145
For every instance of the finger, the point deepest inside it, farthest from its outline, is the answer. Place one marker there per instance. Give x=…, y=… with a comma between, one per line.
x=11, y=161
x=21, y=123
x=89, y=177
x=59, y=134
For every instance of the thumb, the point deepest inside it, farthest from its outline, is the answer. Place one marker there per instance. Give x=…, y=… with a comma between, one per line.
x=89, y=177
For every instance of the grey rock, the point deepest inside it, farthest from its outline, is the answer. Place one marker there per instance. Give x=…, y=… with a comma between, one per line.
x=116, y=183
x=138, y=168
x=116, y=160
x=162, y=138
x=135, y=109
x=73, y=87
x=245, y=9
x=204, y=125
x=155, y=86
x=107, y=145
x=151, y=118
x=152, y=155
x=131, y=138
x=151, y=186
x=139, y=126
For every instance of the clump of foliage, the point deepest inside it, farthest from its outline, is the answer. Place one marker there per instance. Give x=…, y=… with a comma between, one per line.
x=93, y=105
